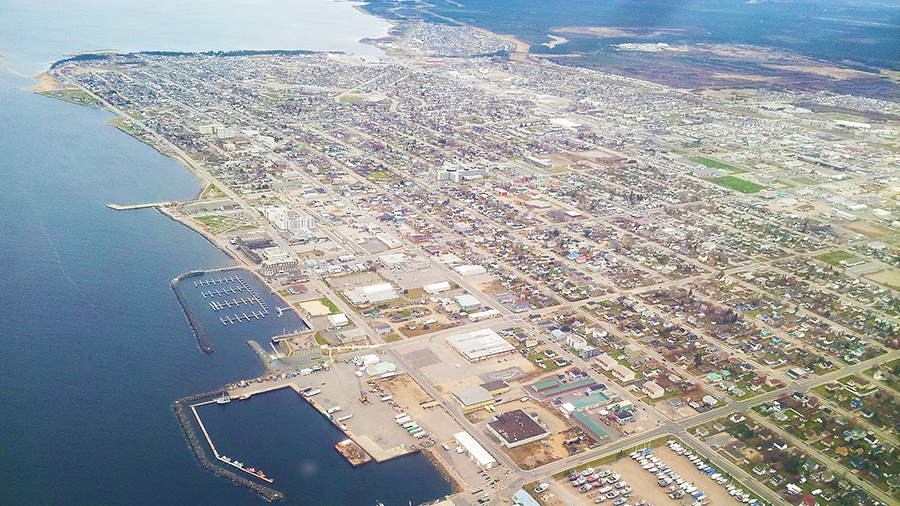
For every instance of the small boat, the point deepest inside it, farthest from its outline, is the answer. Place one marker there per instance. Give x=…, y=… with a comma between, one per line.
x=226, y=459
x=245, y=397
x=224, y=399
x=238, y=464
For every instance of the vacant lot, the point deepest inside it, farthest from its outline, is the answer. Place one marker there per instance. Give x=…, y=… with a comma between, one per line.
x=738, y=184
x=715, y=164
x=835, y=257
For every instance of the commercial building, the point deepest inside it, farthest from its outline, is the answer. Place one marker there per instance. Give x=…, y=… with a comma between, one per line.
x=589, y=427
x=496, y=387
x=516, y=428
x=372, y=294
x=480, y=344
x=433, y=288
x=469, y=270
x=553, y=387
x=473, y=398
x=475, y=450
x=467, y=302
x=338, y=320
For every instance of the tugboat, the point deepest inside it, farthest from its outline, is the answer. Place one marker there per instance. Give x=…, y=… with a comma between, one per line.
x=225, y=399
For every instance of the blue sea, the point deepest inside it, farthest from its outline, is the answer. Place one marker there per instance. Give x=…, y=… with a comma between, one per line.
x=94, y=346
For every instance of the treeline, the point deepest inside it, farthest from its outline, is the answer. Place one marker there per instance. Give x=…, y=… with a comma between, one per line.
x=244, y=52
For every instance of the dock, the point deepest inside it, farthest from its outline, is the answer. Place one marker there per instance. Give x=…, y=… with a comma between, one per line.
x=353, y=452
x=117, y=207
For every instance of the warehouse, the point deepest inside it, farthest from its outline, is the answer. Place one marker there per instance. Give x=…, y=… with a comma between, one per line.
x=480, y=345
x=473, y=398
x=372, y=294
x=467, y=302
x=475, y=450
x=515, y=428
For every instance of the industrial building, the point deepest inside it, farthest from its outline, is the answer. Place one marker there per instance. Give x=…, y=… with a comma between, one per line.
x=475, y=450
x=473, y=398
x=372, y=294
x=516, y=428
x=589, y=427
x=434, y=288
x=469, y=270
x=480, y=344
x=467, y=302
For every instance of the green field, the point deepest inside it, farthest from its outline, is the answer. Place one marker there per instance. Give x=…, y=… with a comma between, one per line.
x=216, y=225
x=737, y=184
x=835, y=257
x=715, y=164
x=330, y=305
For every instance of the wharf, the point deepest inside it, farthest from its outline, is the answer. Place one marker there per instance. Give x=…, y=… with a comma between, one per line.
x=117, y=207
x=353, y=452
x=298, y=384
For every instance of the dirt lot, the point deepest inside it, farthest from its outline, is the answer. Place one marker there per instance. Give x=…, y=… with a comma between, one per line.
x=888, y=277
x=535, y=454
x=407, y=393
x=315, y=308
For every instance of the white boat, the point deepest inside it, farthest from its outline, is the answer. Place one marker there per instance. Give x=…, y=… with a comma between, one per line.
x=224, y=399
x=244, y=397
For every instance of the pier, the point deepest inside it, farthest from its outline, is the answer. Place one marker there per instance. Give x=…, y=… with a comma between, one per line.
x=218, y=281
x=221, y=458
x=117, y=207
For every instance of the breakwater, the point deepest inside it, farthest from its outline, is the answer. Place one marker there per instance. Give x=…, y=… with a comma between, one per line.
x=180, y=407
x=199, y=333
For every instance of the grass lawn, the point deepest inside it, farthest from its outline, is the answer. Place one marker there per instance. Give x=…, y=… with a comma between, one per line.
x=835, y=257
x=715, y=164
x=330, y=305
x=737, y=184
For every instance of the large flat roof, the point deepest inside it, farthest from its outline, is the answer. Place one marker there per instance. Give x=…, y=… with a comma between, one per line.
x=515, y=426
x=481, y=456
x=480, y=344
x=473, y=395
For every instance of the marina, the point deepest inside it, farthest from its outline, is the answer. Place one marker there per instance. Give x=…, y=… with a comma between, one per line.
x=238, y=318
x=288, y=446
x=244, y=300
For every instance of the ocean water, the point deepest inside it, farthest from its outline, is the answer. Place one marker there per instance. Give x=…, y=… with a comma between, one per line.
x=94, y=345
x=272, y=432
x=36, y=33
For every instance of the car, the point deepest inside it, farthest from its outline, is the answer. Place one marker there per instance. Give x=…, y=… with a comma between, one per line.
x=542, y=487
x=619, y=501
